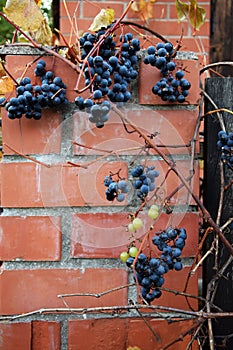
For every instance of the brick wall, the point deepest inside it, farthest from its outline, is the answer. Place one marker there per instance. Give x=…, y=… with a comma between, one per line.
x=60, y=236
x=164, y=21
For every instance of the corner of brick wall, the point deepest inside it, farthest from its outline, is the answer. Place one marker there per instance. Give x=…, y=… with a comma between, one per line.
x=59, y=235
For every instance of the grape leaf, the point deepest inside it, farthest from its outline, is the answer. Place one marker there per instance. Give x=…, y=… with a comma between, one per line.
x=6, y=85
x=195, y=13
x=28, y=16
x=2, y=71
x=104, y=18
x=144, y=9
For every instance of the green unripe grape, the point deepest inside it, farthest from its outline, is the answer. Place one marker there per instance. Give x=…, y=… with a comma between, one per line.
x=133, y=251
x=131, y=227
x=137, y=223
x=154, y=207
x=153, y=212
x=124, y=256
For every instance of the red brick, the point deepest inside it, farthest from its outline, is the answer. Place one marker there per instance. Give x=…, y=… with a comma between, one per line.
x=15, y=336
x=168, y=27
x=109, y=334
x=65, y=27
x=151, y=75
x=174, y=127
x=91, y=9
x=17, y=65
x=46, y=335
x=30, y=238
x=172, y=182
x=30, y=136
x=73, y=9
x=193, y=45
x=103, y=235
x=59, y=185
x=106, y=334
x=27, y=290
x=140, y=335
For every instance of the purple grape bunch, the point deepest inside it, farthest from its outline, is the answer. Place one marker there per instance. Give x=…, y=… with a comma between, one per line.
x=172, y=87
x=150, y=271
x=115, y=189
x=31, y=99
x=144, y=180
x=225, y=145
x=107, y=72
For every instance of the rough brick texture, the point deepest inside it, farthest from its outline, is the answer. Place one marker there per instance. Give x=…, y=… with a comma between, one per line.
x=30, y=238
x=26, y=290
x=59, y=234
x=36, y=335
x=109, y=334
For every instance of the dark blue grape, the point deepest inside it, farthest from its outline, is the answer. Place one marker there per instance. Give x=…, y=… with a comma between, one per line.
x=179, y=74
x=129, y=261
x=162, y=52
x=178, y=266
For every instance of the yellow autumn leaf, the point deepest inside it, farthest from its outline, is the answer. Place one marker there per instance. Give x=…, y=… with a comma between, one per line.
x=104, y=18
x=2, y=71
x=144, y=9
x=6, y=85
x=28, y=16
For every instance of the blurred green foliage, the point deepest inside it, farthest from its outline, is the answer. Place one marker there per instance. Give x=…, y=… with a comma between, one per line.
x=6, y=30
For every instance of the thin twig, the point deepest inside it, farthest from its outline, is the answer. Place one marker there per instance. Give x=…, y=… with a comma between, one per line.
x=183, y=334
x=26, y=157
x=146, y=322
x=95, y=295
x=211, y=65
x=220, y=118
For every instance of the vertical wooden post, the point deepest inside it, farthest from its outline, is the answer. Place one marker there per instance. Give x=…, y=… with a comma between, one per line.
x=220, y=90
x=221, y=39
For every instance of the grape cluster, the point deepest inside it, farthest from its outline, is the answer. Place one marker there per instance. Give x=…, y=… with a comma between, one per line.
x=144, y=180
x=225, y=144
x=30, y=99
x=150, y=271
x=172, y=86
x=115, y=189
x=109, y=71
x=99, y=112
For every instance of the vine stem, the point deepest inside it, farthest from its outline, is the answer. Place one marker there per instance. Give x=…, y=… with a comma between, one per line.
x=216, y=64
x=26, y=157
x=206, y=215
x=122, y=308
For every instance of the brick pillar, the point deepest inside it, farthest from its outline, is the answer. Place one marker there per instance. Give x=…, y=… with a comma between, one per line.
x=59, y=235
